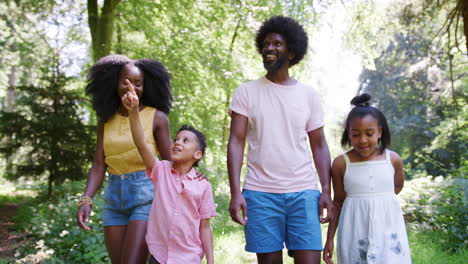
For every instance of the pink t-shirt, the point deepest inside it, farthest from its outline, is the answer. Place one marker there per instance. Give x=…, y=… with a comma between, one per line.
x=279, y=117
x=179, y=204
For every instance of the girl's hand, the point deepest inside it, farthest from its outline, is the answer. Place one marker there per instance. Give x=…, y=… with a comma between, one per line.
x=328, y=252
x=83, y=216
x=130, y=99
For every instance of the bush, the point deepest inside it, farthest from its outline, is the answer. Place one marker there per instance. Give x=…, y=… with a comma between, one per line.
x=58, y=238
x=438, y=204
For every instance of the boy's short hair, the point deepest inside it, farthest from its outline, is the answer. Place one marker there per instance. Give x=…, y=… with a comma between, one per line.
x=201, y=139
x=291, y=30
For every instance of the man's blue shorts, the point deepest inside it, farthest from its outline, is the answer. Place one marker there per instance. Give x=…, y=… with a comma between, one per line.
x=274, y=219
x=127, y=197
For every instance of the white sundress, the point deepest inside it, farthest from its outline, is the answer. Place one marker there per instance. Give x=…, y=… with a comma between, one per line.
x=371, y=227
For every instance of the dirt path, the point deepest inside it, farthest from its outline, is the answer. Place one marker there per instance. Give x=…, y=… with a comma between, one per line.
x=8, y=240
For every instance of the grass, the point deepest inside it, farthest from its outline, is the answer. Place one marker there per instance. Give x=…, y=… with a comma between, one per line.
x=426, y=248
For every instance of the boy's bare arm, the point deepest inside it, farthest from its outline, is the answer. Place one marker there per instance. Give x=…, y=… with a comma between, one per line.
x=206, y=238
x=130, y=101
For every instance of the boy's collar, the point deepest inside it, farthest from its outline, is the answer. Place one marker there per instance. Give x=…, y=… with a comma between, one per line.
x=191, y=174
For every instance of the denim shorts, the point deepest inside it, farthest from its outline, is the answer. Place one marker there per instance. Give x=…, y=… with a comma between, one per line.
x=275, y=219
x=127, y=197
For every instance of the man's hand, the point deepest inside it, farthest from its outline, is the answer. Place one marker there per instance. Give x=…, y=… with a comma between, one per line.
x=325, y=202
x=238, y=204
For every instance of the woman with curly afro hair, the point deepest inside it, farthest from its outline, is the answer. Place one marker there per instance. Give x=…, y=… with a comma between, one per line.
x=129, y=193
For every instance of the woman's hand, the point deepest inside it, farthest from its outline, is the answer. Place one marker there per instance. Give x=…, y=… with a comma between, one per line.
x=130, y=99
x=83, y=216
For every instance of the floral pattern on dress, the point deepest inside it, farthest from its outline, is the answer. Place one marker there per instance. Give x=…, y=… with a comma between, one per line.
x=396, y=247
x=366, y=257
x=363, y=246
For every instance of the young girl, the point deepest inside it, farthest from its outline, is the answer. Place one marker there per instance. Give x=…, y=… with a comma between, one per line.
x=366, y=180
x=179, y=224
x=129, y=193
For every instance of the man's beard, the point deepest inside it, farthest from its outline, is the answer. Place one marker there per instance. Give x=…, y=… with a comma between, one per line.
x=272, y=66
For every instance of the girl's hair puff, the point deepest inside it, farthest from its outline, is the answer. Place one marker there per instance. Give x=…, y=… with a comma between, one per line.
x=361, y=109
x=103, y=78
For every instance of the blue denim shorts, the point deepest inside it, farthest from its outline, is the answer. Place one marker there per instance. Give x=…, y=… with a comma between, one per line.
x=127, y=197
x=275, y=219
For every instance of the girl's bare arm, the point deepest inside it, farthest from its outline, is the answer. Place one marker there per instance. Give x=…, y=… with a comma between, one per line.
x=337, y=173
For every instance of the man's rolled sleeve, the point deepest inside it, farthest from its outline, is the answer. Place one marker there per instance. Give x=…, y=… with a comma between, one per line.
x=239, y=102
x=316, y=111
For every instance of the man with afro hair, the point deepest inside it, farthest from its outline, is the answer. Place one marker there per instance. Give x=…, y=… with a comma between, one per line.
x=279, y=116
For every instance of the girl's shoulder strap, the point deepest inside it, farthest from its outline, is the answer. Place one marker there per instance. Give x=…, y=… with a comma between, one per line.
x=387, y=155
x=346, y=158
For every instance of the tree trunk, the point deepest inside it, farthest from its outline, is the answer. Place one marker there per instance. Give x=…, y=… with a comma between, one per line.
x=10, y=107
x=464, y=12
x=101, y=26
x=49, y=186
x=11, y=90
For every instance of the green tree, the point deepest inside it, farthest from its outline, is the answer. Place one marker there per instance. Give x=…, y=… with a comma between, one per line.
x=208, y=46
x=49, y=137
x=410, y=85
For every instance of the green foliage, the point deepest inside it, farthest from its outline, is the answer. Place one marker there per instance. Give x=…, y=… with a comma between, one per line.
x=448, y=148
x=411, y=85
x=438, y=204
x=46, y=135
x=416, y=71
x=428, y=247
x=59, y=239
x=209, y=49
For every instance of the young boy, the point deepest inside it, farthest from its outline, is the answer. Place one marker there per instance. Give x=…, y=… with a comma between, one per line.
x=179, y=223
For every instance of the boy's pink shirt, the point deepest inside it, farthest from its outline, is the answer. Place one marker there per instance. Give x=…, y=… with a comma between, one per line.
x=179, y=205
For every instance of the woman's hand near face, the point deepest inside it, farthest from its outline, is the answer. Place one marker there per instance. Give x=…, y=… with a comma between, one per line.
x=130, y=99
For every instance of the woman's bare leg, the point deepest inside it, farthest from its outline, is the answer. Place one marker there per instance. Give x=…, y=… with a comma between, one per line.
x=114, y=239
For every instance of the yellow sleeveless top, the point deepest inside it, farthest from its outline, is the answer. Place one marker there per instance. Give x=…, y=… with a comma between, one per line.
x=120, y=153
